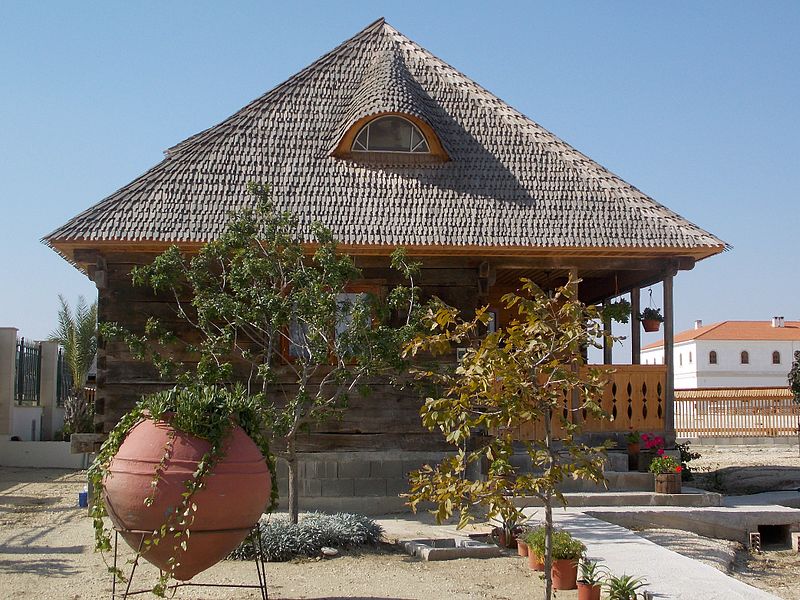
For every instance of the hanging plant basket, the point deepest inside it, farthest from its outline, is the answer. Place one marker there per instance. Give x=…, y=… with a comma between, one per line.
x=651, y=325
x=230, y=502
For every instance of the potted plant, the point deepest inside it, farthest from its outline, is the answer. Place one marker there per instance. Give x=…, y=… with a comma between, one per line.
x=590, y=580
x=623, y=587
x=668, y=474
x=509, y=530
x=653, y=446
x=651, y=319
x=534, y=539
x=567, y=551
x=522, y=546
x=184, y=477
x=633, y=440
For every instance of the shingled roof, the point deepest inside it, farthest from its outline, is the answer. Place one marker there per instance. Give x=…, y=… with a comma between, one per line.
x=508, y=182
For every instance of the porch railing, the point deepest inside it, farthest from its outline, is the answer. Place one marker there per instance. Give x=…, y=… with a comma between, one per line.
x=728, y=412
x=27, y=378
x=633, y=397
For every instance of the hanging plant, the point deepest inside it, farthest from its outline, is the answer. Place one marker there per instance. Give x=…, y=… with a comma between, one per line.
x=651, y=314
x=619, y=311
x=209, y=417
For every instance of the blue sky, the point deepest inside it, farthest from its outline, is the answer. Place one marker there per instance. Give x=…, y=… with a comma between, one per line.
x=695, y=103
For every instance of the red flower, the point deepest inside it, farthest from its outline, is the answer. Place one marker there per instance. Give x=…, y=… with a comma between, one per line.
x=678, y=469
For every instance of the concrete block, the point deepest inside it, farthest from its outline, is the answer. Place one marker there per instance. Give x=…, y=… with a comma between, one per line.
x=336, y=487
x=395, y=487
x=387, y=469
x=449, y=549
x=310, y=487
x=320, y=469
x=354, y=469
x=369, y=487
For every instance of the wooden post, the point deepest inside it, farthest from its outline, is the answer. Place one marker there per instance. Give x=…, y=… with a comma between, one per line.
x=669, y=358
x=575, y=401
x=636, y=328
x=608, y=343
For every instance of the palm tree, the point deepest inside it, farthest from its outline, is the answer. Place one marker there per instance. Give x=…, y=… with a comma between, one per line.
x=77, y=335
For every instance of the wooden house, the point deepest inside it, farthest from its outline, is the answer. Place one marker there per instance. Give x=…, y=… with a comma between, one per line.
x=390, y=146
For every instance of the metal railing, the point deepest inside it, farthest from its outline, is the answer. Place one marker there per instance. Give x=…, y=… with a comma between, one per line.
x=28, y=374
x=63, y=380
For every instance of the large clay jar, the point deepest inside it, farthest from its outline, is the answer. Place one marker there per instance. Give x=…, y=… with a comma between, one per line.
x=234, y=496
x=522, y=548
x=565, y=574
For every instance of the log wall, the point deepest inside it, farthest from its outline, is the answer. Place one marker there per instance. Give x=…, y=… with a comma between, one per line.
x=386, y=419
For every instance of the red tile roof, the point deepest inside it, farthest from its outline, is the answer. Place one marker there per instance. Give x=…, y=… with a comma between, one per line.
x=738, y=330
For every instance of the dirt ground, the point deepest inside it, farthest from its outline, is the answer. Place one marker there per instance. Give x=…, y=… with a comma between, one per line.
x=46, y=548
x=46, y=553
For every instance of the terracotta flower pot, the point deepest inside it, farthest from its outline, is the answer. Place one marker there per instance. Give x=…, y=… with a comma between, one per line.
x=668, y=483
x=588, y=592
x=234, y=496
x=502, y=540
x=534, y=562
x=522, y=548
x=633, y=456
x=651, y=325
x=565, y=574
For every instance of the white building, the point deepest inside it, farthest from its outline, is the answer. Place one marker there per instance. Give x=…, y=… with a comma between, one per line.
x=733, y=354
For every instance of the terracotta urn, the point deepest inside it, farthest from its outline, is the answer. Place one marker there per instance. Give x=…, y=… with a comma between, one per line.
x=565, y=574
x=522, y=548
x=534, y=561
x=588, y=592
x=668, y=483
x=233, y=498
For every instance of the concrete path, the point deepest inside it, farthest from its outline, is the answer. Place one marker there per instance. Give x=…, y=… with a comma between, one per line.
x=668, y=574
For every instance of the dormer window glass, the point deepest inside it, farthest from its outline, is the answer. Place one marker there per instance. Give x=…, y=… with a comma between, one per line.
x=391, y=134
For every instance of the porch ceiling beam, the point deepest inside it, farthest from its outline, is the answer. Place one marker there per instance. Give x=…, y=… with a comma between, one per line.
x=597, y=289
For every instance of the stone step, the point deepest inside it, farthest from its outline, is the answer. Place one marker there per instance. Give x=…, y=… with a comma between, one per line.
x=616, y=481
x=690, y=498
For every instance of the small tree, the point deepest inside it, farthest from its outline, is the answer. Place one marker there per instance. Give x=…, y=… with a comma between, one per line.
x=794, y=386
x=256, y=298
x=523, y=374
x=77, y=335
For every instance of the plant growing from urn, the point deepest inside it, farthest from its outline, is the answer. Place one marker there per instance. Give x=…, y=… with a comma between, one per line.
x=515, y=376
x=651, y=319
x=667, y=473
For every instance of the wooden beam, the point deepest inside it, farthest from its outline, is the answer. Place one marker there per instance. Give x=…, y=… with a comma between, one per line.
x=636, y=327
x=669, y=358
x=608, y=344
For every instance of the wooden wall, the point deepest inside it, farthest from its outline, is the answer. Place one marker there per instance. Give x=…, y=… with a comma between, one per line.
x=388, y=418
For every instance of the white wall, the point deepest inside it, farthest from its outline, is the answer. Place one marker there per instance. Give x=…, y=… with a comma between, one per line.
x=41, y=455
x=729, y=371
x=23, y=419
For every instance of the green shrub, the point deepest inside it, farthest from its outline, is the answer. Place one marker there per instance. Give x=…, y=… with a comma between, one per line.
x=566, y=547
x=283, y=540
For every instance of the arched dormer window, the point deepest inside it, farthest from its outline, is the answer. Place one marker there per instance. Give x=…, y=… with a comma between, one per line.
x=745, y=357
x=712, y=357
x=390, y=134
x=392, y=139
x=776, y=358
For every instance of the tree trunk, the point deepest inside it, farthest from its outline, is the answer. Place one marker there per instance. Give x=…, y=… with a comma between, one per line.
x=548, y=512
x=291, y=460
